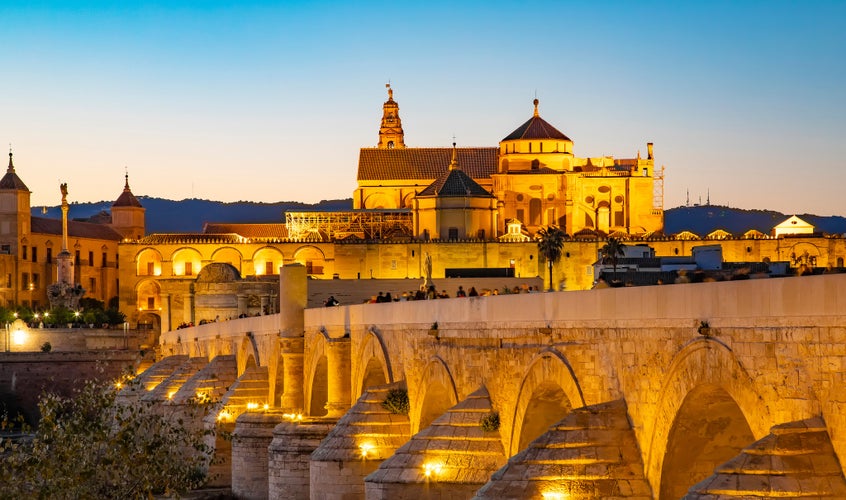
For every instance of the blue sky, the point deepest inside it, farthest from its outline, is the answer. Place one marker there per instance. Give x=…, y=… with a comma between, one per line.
x=271, y=101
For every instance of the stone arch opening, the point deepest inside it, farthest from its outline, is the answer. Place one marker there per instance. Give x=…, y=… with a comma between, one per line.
x=547, y=405
x=548, y=392
x=312, y=258
x=709, y=429
x=186, y=262
x=248, y=356
x=228, y=255
x=319, y=388
x=267, y=261
x=148, y=262
x=698, y=366
x=374, y=374
x=373, y=366
x=439, y=393
x=250, y=362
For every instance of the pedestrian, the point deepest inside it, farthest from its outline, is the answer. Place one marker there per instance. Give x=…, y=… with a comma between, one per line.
x=460, y=292
x=473, y=292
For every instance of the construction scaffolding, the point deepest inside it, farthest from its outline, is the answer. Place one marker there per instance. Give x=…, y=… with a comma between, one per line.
x=359, y=224
x=658, y=189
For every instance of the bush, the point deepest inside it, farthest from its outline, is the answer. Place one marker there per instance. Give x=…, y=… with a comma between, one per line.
x=490, y=422
x=46, y=347
x=396, y=402
x=91, y=446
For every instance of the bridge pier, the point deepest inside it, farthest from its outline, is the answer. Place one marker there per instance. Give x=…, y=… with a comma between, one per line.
x=289, y=455
x=338, y=362
x=291, y=351
x=253, y=434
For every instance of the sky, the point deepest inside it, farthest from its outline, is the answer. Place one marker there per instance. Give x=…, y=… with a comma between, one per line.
x=271, y=101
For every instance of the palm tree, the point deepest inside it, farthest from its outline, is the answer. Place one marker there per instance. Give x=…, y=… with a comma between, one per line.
x=611, y=252
x=550, y=244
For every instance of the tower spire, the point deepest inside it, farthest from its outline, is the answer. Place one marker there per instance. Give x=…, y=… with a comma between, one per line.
x=390, y=131
x=536, y=102
x=11, y=164
x=126, y=176
x=453, y=164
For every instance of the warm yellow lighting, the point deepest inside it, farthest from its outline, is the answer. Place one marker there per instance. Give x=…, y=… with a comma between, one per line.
x=431, y=469
x=293, y=417
x=118, y=385
x=266, y=406
x=46, y=315
x=252, y=406
x=202, y=397
x=365, y=449
x=19, y=337
x=37, y=316
x=76, y=314
x=224, y=416
x=554, y=495
x=170, y=394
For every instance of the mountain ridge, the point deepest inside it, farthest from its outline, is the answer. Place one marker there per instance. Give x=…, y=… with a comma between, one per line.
x=190, y=214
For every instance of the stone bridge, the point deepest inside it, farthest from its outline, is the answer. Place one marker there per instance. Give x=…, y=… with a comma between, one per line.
x=710, y=390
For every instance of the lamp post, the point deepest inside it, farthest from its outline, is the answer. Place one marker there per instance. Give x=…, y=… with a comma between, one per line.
x=8, y=338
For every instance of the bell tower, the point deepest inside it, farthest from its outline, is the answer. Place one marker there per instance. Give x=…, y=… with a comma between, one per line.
x=390, y=132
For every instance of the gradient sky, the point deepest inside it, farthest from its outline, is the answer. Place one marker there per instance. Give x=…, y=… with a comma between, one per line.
x=271, y=101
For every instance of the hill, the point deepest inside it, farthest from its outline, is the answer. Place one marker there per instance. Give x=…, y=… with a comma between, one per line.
x=704, y=219
x=184, y=216
x=188, y=216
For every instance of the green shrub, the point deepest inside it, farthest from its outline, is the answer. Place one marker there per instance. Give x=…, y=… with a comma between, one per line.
x=490, y=422
x=396, y=402
x=46, y=347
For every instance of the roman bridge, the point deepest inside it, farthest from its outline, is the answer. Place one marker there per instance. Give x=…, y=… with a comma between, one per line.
x=722, y=390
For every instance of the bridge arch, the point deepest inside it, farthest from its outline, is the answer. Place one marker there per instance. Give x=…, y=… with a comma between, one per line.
x=437, y=394
x=549, y=391
x=373, y=367
x=709, y=409
x=316, y=391
x=248, y=354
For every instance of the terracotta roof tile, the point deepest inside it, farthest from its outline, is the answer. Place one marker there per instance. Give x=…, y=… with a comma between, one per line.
x=455, y=183
x=76, y=229
x=274, y=230
x=536, y=128
x=190, y=238
x=423, y=163
x=127, y=199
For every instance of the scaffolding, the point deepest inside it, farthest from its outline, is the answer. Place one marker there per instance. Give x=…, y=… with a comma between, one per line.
x=363, y=224
x=658, y=189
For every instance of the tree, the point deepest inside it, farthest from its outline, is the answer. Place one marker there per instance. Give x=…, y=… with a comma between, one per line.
x=92, y=446
x=550, y=245
x=611, y=252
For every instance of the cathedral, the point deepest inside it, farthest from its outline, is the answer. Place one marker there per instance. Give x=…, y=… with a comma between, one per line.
x=532, y=178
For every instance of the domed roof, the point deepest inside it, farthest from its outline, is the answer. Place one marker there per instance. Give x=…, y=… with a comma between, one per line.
x=126, y=198
x=11, y=179
x=455, y=183
x=536, y=128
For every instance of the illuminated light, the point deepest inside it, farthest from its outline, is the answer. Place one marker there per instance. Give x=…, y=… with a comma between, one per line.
x=170, y=394
x=76, y=314
x=554, y=495
x=252, y=406
x=431, y=469
x=266, y=407
x=15, y=314
x=118, y=385
x=224, y=416
x=365, y=449
x=19, y=337
x=46, y=315
x=293, y=417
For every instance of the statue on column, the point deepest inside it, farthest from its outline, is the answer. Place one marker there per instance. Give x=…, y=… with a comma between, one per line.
x=64, y=292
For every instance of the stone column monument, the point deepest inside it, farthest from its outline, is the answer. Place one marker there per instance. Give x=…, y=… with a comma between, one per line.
x=64, y=292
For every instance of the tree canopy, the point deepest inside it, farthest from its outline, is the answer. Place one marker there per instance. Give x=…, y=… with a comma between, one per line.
x=551, y=245
x=92, y=446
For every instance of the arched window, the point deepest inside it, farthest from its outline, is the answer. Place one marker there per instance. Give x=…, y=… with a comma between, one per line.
x=390, y=144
